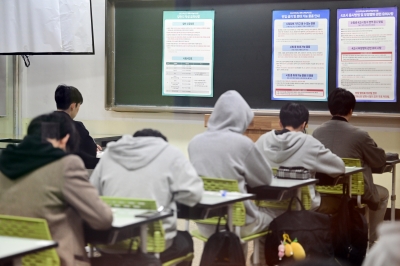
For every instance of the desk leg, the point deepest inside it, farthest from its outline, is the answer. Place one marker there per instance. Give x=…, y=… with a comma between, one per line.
x=230, y=217
x=393, y=196
x=143, y=238
x=298, y=194
x=350, y=184
x=17, y=261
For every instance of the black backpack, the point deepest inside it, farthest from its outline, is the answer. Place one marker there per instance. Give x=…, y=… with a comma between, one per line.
x=349, y=231
x=223, y=248
x=311, y=229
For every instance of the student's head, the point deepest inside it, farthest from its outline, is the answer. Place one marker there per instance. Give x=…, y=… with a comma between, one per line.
x=68, y=99
x=294, y=115
x=148, y=132
x=55, y=128
x=341, y=102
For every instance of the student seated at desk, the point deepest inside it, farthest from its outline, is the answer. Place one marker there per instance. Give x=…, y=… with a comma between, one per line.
x=69, y=100
x=223, y=152
x=146, y=166
x=292, y=147
x=40, y=179
x=348, y=141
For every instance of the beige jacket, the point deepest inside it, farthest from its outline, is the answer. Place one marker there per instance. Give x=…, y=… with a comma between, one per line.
x=60, y=193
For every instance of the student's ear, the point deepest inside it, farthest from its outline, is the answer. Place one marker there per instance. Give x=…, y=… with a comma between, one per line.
x=64, y=141
x=72, y=106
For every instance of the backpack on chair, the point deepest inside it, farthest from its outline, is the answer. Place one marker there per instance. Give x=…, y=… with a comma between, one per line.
x=223, y=248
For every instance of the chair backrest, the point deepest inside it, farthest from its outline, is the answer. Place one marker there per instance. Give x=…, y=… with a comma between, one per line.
x=155, y=233
x=357, y=181
x=217, y=184
x=35, y=228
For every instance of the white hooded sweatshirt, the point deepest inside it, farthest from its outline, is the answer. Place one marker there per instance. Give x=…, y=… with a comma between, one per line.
x=386, y=249
x=223, y=152
x=148, y=168
x=298, y=149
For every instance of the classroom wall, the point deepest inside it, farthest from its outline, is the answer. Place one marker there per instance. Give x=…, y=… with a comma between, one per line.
x=6, y=95
x=87, y=73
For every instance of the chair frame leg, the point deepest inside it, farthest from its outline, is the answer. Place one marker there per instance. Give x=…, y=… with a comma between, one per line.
x=256, y=254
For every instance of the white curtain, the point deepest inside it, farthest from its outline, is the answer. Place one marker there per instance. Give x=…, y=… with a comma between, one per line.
x=45, y=26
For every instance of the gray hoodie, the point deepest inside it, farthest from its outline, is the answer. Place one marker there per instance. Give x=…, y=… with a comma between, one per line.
x=223, y=152
x=386, y=250
x=149, y=168
x=298, y=149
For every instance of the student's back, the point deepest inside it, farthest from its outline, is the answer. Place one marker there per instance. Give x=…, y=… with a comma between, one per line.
x=41, y=181
x=223, y=152
x=145, y=166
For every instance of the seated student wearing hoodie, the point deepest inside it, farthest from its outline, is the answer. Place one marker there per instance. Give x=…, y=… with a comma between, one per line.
x=40, y=179
x=292, y=147
x=224, y=152
x=146, y=166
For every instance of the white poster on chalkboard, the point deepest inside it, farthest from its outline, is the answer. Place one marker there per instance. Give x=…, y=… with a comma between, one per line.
x=367, y=53
x=188, y=53
x=46, y=26
x=300, y=55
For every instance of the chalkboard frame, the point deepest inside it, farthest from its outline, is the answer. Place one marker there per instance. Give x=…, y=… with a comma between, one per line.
x=110, y=74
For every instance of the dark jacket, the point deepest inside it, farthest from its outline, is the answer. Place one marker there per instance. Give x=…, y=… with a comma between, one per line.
x=348, y=141
x=87, y=148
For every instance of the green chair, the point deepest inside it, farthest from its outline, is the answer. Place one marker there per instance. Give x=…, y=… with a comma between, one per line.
x=283, y=204
x=357, y=185
x=155, y=230
x=239, y=213
x=35, y=228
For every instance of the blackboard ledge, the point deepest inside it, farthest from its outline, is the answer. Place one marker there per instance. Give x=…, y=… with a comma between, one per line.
x=208, y=110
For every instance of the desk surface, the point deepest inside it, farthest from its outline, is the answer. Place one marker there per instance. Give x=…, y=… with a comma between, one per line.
x=12, y=247
x=392, y=162
x=125, y=225
x=352, y=170
x=289, y=184
x=124, y=217
x=213, y=199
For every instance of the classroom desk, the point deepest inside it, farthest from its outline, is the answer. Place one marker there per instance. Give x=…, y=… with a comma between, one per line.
x=103, y=140
x=14, y=248
x=391, y=168
x=125, y=225
x=212, y=200
x=279, y=188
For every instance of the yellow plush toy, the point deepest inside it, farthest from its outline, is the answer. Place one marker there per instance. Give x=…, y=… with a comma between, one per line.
x=293, y=248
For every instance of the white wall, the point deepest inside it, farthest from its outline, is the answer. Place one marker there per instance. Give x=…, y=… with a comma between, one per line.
x=87, y=73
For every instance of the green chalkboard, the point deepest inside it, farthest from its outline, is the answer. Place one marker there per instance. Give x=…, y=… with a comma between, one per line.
x=242, y=51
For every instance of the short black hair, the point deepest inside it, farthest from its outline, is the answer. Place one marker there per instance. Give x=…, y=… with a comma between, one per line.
x=55, y=125
x=293, y=114
x=65, y=95
x=341, y=101
x=148, y=132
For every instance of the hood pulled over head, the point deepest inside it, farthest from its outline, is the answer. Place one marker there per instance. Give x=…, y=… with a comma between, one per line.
x=136, y=152
x=231, y=112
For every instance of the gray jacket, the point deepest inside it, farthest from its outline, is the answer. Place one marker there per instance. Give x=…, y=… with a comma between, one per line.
x=148, y=168
x=298, y=149
x=348, y=141
x=223, y=152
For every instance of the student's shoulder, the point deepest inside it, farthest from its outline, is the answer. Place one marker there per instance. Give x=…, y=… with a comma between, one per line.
x=72, y=161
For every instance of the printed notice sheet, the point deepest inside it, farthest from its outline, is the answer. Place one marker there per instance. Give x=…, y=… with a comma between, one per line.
x=300, y=55
x=366, y=58
x=188, y=47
